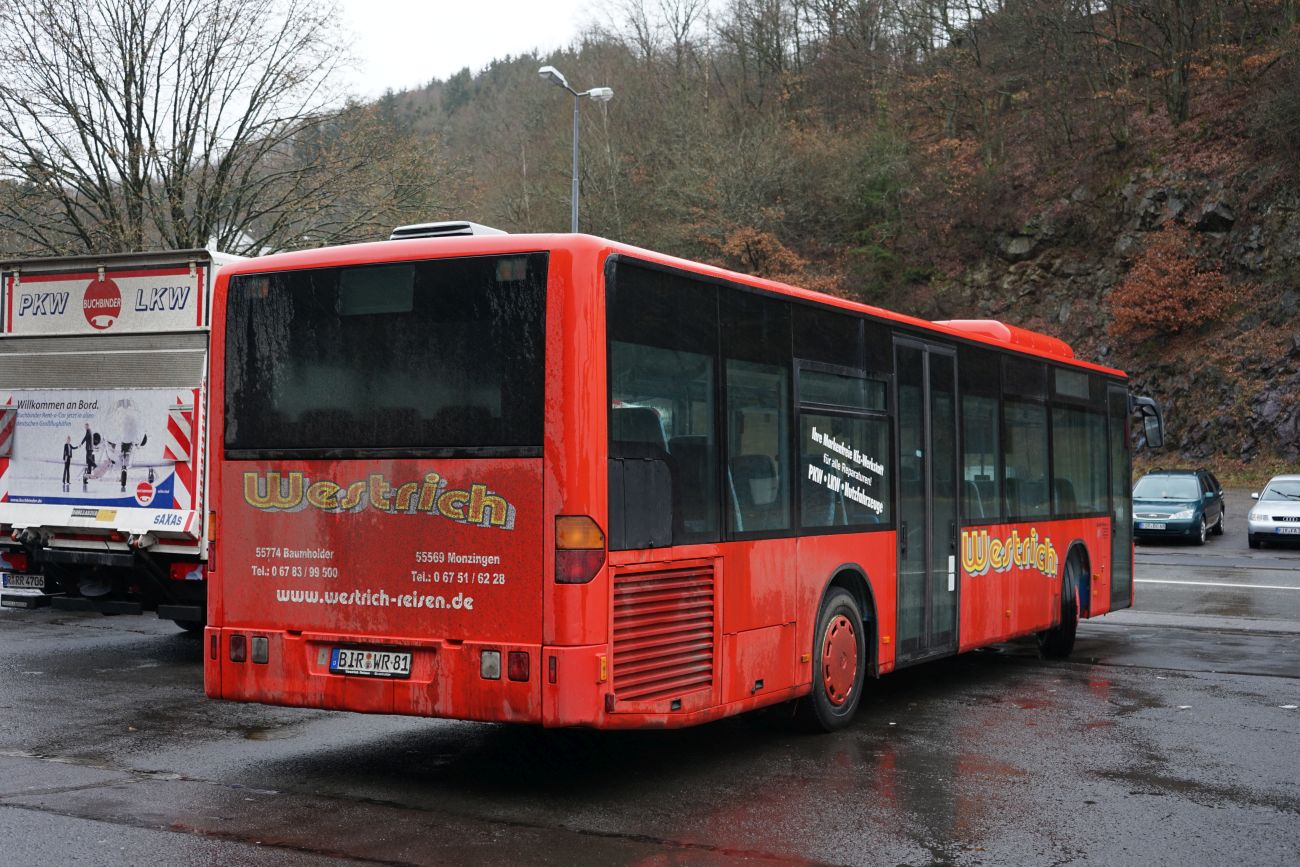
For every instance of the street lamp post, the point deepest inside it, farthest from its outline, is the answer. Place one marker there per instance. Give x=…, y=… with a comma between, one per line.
x=599, y=94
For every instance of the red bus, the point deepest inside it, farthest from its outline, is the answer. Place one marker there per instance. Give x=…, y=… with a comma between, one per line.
x=559, y=480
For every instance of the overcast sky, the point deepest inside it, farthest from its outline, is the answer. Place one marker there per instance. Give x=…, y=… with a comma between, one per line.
x=403, y=44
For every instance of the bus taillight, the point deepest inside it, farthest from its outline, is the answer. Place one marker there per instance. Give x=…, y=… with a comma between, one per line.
x=579, y=549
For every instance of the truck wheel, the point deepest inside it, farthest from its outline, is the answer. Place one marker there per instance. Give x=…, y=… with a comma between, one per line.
x=1057, y=642
x=839, y=665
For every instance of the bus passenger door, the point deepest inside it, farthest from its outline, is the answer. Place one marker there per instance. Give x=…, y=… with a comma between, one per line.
x=1121, y=502
x=927, y=499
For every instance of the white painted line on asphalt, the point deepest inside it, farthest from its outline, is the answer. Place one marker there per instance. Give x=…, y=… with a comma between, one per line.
x=1214, y=584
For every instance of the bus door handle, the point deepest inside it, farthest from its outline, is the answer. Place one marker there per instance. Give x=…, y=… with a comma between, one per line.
x=952, y=536
x=902, y=536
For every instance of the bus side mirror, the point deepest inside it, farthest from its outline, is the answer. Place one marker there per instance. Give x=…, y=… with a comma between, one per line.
x=1155, y=431
x=1153, y=428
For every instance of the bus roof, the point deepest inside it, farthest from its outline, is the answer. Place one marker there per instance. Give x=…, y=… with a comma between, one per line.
x=981, y=331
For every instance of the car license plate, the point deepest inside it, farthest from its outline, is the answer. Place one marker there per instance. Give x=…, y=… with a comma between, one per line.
x=370, y=663
x=1290, y=531
x=11, y=581
x=1150, y=526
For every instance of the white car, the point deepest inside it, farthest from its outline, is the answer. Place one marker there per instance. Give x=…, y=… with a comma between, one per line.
x=1276, y=517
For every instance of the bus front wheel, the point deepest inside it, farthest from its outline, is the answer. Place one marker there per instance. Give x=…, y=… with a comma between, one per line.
x=839, y=665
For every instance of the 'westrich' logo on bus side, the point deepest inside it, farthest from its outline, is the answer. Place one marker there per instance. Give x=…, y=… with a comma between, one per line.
x=430, y=496
x=981, y=554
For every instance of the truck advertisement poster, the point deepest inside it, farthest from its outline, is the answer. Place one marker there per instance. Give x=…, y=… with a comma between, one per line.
x=127, y=448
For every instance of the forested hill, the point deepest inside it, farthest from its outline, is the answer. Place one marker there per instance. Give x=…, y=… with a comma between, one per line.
x=1124, y=176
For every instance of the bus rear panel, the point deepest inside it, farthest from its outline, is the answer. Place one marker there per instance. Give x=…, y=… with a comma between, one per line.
x=381, y=510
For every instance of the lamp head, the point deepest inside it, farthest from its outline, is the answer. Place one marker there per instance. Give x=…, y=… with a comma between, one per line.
x=601, y=94
x=554, y=76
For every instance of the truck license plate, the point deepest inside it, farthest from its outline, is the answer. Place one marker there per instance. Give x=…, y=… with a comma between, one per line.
x=10, y=581
x=370, y=663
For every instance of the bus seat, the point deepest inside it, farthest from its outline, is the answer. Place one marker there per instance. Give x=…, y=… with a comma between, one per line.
x=1011, y=487
x=975, y=503
x=755, y=479
x=637, y=424
x=821, y=506
x=1063, y=493
x=737, y=517
x=643, y=485
x=1034, y=497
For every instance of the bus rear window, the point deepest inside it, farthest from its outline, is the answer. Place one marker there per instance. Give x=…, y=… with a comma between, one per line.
x=415, y=358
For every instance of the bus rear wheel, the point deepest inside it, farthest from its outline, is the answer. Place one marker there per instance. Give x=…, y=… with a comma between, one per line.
x=839, y=665
x=1057, y=642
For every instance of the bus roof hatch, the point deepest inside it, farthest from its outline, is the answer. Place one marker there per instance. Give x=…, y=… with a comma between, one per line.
x=446, y=229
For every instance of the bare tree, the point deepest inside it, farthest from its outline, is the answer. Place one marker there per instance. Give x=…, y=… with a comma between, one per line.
x=131, y=123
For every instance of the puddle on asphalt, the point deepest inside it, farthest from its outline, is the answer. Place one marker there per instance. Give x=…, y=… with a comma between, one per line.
x=263, y=734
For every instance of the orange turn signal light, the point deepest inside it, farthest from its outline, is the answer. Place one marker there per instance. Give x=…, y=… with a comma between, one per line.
x=578, y=533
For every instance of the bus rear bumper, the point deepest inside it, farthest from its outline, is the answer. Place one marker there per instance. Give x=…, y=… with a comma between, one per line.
x=447, y=678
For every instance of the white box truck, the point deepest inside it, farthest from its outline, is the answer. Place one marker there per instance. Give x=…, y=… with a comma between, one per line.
x=103, y=433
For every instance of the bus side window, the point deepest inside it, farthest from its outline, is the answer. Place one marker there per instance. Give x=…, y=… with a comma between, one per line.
x=664, y=468
x=756, y=345
x=981, y=491
x=1024, y=455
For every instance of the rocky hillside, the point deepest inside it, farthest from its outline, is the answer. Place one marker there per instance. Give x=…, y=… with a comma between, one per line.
x=1230, y=386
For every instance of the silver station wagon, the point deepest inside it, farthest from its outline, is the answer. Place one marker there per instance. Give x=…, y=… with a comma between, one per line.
x=1276, y=517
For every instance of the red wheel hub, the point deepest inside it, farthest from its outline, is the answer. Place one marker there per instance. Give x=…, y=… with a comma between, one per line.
x=839, y=659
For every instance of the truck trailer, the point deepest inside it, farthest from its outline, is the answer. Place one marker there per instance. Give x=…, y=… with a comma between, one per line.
x=103, y=432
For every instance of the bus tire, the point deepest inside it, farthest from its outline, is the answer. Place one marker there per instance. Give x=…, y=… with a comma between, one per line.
x=839, y=665
x=1057, y=642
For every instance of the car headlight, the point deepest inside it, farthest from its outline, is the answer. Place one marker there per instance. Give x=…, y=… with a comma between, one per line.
x=1251, y=516
x=1184, y=515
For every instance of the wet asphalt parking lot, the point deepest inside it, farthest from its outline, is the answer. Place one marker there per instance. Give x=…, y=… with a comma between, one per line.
x=1172, y=736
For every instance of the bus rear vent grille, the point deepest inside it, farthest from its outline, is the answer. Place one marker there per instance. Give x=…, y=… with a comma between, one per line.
x=663, y=632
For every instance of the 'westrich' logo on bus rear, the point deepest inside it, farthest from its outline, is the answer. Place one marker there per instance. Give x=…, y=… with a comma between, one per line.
x=276, y=492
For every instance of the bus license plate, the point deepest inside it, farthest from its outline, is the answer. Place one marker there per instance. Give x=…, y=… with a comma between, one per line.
x=370, y=663
x=1151, y=526
x=1293, y=531
x=11, y=581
